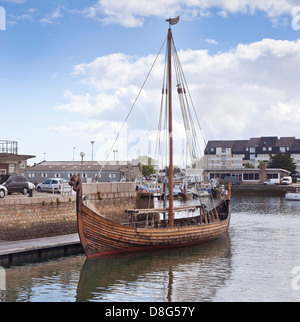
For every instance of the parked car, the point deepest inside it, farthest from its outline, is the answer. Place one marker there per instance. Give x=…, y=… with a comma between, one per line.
x=3, y=191
x=3, y=178
x=18, y=183
x=55, y=185
x=286, y=180
x=272, y=182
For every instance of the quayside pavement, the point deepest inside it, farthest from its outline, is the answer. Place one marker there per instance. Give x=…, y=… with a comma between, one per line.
x=16, y=252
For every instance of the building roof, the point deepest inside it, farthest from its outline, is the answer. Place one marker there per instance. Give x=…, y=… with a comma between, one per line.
x=268, y=141
x=264, y=141
x=7, y=157
x=296, y=145
x=220, y=144
x=285, y=142
x=253, y=142
x=239, y=146
x=73, y=166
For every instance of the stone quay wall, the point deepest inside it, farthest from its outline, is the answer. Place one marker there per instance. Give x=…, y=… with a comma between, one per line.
x=27, y=218
x=47, y=215
x=112, y=199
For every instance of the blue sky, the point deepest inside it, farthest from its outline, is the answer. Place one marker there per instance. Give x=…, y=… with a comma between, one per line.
x=69, y=71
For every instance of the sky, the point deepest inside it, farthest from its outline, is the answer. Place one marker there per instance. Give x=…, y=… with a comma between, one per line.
x=71, y=70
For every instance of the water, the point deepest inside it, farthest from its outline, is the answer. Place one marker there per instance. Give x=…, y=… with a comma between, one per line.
x=258, y=261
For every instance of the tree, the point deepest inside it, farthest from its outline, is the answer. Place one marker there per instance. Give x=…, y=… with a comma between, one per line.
x=145, y=159
x=147, y=170
x=281, y=161
x=249, y=165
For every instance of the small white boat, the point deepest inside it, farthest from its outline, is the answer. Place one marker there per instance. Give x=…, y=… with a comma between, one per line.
x=293, y=195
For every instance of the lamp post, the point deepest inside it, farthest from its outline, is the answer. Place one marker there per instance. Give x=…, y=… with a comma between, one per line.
x=74, y=153
x=82, y=154
x=92, y=150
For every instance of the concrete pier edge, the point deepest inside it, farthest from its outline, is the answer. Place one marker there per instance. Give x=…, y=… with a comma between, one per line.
x=33, y=250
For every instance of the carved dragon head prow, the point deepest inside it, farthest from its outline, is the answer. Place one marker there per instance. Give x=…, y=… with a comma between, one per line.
x=75, y=181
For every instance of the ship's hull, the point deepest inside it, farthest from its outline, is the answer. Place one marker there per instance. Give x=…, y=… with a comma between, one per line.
x=100, y=236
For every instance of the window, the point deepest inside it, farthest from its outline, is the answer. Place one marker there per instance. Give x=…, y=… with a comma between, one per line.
x=223, y=150
x=57, y=175
x=20, y=179
x=269, y=148
x=272, y=176
x=31, y=175
x=251, y=176
x=282, y=149
x=44, y=175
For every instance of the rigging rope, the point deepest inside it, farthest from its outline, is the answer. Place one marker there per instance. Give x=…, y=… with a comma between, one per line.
x=187, y=113
x=118, y=135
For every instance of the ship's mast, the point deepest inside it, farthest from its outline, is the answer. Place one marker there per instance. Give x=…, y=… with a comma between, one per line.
x=171, y=21
x=169, y=90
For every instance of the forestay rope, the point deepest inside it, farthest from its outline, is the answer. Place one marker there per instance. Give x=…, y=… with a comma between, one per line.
x=126, y=119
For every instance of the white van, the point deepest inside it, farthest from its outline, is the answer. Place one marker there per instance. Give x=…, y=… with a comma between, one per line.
x=286, y=180
x=271, y=181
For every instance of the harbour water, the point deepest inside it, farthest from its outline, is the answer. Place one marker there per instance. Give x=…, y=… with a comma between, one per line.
x=259, y=260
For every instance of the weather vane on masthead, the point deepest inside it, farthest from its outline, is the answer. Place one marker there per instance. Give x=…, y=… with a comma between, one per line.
x=173, y=21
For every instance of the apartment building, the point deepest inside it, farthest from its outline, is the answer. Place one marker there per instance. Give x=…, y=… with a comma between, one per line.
x=235, y=154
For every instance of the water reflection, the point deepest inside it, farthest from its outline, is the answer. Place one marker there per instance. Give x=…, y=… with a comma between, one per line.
x=264, y=205
x=254, y=264
x=185, y=274
x=54, y=280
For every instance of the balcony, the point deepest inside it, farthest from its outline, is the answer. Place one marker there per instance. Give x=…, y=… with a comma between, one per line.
x=8, y=147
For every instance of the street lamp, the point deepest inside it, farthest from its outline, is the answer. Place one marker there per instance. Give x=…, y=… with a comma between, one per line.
x=73, y=153
x=92, y=150
x=82, y=154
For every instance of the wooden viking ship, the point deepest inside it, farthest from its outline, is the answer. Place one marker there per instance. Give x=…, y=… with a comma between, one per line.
x=101, y=236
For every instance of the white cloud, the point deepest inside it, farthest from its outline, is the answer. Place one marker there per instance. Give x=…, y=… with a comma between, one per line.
x=211, y=41
x=52, y=17
x=132, y=13
x=88, y=105
x=251, y=90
